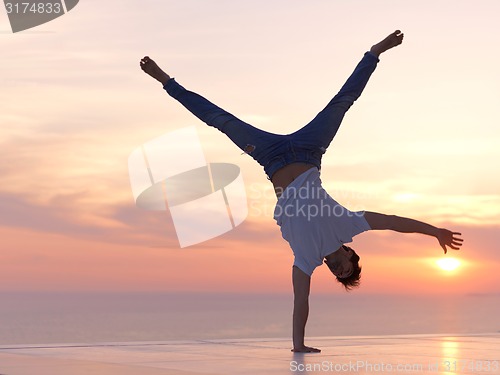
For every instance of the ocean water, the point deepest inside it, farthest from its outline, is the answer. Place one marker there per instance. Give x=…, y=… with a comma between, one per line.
x=42, y=318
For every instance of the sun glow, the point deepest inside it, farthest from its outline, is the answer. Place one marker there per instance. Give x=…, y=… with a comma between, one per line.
x=448, y=264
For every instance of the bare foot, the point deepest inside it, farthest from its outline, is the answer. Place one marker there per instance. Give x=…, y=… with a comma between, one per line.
x=306, y=349
x=151, y=68
x=393, y=40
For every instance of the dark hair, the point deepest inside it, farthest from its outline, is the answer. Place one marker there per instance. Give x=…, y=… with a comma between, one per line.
x=352, y=281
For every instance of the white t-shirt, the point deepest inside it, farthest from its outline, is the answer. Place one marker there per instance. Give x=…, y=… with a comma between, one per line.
x=313, y=223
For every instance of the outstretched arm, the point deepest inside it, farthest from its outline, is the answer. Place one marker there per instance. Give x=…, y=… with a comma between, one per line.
x=405, y=225
x=301, y=287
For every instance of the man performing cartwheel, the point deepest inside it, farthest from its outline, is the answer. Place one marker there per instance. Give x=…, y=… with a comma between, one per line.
x=315, y=225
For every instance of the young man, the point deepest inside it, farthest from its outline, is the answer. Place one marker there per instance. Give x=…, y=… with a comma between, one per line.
x=314, y=224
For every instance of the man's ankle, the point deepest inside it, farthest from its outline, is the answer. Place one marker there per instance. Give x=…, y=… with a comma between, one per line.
x=164, y=79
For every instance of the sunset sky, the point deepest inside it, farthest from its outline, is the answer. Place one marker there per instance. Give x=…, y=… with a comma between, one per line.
x=423, y=141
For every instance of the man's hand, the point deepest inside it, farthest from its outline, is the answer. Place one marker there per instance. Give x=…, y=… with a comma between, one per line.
x=449, y=238
x=445, y=237
x=306, y=349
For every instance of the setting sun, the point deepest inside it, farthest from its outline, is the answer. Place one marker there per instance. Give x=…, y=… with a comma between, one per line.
x=448, y=264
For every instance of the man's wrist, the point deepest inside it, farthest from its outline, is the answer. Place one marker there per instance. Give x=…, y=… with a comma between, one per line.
x=435, y=232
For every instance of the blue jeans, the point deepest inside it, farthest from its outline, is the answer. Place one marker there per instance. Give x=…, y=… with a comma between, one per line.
x=274, y=151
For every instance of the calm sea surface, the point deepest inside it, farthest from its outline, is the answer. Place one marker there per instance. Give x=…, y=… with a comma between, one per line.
x=80, y=318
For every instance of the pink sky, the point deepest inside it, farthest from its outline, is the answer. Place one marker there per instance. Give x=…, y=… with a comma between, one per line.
x=423, y=140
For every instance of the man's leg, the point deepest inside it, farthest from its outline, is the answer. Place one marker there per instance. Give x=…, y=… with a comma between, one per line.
x=247, y=137
x=322, y=129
